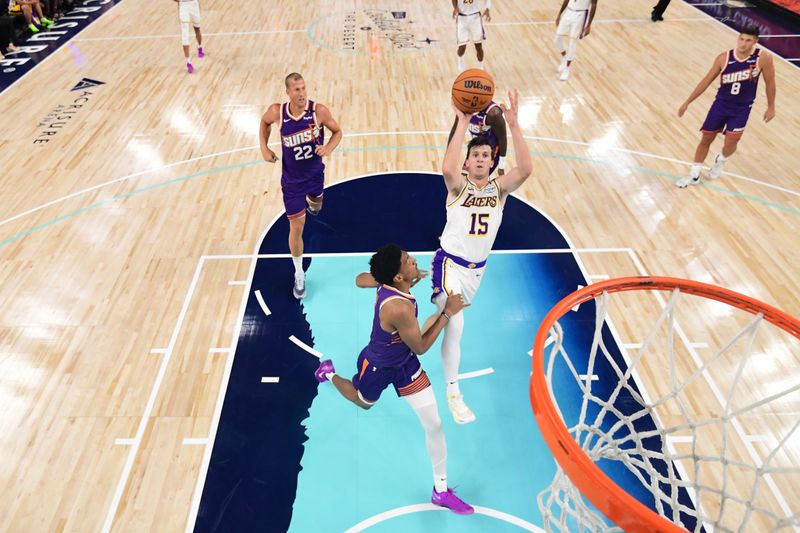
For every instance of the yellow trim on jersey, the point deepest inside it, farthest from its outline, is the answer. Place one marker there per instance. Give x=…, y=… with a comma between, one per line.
x=460, y=194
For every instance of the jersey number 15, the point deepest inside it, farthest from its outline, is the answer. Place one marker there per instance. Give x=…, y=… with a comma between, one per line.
x=480, y=224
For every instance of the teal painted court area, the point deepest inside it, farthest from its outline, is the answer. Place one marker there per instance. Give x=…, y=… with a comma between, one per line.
x=358, y=464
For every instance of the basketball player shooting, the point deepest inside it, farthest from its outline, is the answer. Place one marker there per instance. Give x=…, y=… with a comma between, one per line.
x=474, y=208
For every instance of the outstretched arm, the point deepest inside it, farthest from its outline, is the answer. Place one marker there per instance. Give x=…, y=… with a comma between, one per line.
x=451, y=166
x=715, y=70
x=514, y=178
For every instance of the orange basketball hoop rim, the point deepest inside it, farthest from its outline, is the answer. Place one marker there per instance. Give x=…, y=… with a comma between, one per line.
x=616, y=504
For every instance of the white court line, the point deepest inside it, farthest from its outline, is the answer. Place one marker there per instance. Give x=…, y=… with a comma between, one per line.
x=587, y=377
x=151, y=400
x=176, y=35
x=368, y=134
x=759, y=438
x=195, y=441
x=158, y=350
x=124, y=442
x=262, y=303
x=270, y=379
x=219, y=350
x=595, y=21
x=421, y=507
x=237, y=282
x=223, y=389
x=680, y=438
x=306, y=347
x=783, y=35
x=424, y=252
x=476, y=373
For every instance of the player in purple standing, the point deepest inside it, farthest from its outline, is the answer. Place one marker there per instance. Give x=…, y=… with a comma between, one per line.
x=390, y=358
x=738, y=70
x=489, y=123
x=301, y=123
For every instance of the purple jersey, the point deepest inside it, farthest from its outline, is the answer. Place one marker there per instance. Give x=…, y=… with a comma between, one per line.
x=739, y=79
x=387, y=349
x=478, y=126
x=299, y=138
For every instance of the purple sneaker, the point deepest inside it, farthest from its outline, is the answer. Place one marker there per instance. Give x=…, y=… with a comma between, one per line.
x=325, y=367
x=189, y=68
x=200, y=52
x=449, y=499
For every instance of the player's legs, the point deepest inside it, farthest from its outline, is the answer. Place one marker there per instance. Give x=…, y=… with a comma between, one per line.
x=314, y=202
x=479, y=54
x=346, y=387
x=294, y=202
x=700, y=154
x=194, y=16
x=185, y=16
x=424, y=405
x=734, y=128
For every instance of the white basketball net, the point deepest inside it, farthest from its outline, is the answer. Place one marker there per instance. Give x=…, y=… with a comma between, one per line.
x=736, y=481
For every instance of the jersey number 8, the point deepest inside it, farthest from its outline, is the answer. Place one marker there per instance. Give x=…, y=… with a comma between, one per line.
x=735, y=88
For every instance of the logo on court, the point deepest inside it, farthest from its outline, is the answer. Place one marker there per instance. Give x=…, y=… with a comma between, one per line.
x=62, y=114
x=86, y=83
x=372, y=31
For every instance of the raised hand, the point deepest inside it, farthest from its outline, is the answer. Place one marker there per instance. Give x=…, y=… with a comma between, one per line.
x=510, y=112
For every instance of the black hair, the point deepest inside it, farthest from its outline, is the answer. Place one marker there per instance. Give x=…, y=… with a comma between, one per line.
x=385, y=264
x=750, y=30
x=479, y=140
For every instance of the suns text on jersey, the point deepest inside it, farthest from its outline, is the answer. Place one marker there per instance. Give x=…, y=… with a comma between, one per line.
x=301, y=137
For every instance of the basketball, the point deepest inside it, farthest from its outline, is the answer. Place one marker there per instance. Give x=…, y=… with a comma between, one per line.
x=473, y=90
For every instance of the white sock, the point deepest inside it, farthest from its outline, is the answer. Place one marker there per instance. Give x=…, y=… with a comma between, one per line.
x=330, y=375
x=720, y=158
x=298, y=267
x=424, y=404
x=461, y=64
x=695, y=171
x=480, y=65
x=452, y=389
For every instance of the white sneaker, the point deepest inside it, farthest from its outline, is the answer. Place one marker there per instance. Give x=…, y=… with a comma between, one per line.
x=564, y=74
x=716, y=168
x=688, y=180
x=461, y=413
x=299, y=289
x=563, y=64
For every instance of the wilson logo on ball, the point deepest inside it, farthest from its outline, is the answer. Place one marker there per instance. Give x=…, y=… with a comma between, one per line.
x=475, y=84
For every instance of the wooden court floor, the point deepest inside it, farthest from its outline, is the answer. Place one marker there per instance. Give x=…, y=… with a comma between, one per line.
x=118, y=312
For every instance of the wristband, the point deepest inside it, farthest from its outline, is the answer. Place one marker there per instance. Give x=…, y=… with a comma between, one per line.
x=446, y=316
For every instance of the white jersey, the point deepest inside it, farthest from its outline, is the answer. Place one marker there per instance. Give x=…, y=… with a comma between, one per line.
x=473, y=219
x=579, y=5
x=468, y=7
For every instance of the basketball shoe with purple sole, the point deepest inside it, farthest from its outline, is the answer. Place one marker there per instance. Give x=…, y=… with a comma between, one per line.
x=325, y=367
x=449, y=500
